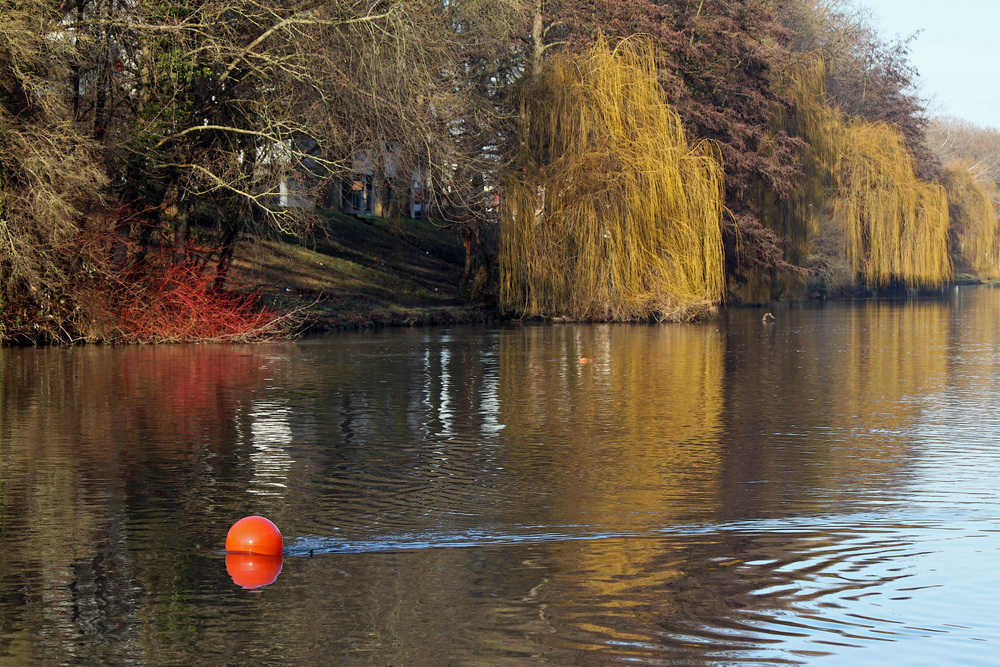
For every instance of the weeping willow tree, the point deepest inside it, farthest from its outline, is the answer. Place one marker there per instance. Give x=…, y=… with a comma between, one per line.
x=975, y=224
x=810, y=117
x=896, y=224
x=611, y=214
x=858, y=211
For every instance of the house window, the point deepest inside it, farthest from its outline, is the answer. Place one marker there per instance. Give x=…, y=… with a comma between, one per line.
x=359, y=194
x=418, y=196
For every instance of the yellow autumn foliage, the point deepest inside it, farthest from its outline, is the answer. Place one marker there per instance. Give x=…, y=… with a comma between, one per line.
x=812, y=119
x=896, y=224
x=858, y=192
x=973, y=203
x=611, y=215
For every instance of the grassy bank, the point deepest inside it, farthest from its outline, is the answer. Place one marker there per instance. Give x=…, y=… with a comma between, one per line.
x=362, y=272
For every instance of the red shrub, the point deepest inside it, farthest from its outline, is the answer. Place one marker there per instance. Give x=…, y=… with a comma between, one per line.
x=157, y=298
x=174, y=302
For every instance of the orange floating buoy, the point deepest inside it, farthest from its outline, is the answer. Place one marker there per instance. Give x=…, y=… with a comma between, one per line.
x=586, y=360
x=254, y=535
x=253, y=570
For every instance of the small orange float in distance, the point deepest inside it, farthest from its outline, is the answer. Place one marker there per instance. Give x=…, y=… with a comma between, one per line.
x=586, y=360
x=254, y=535
x=253, y=570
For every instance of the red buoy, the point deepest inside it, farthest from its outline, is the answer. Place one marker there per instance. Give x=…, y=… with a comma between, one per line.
x=254, y=535
x=252, y=570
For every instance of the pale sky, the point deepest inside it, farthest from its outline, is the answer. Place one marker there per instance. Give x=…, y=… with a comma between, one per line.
x=957, y=53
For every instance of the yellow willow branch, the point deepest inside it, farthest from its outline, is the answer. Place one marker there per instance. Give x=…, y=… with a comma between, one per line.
x=611, y=214
x=221, y=128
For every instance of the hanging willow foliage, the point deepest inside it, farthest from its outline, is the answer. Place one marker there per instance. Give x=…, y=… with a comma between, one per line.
x=796, y=218
x=896, y=225
x=973, y=206
x=892, y=226
x=612, y=215
x=812, y=119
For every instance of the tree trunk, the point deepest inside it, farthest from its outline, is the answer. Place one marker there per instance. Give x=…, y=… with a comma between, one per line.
x=226, y=253
x=537, y=44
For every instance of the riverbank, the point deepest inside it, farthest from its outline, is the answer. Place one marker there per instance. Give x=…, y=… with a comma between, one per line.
x=362, y=272
x=370, y=272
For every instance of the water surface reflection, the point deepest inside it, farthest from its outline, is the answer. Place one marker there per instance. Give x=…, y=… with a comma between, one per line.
x=819, y=488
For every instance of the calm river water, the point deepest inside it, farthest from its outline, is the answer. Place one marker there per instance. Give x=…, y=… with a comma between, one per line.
x=818, y=490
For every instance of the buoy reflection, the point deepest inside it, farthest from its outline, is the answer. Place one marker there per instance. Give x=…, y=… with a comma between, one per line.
x=251, y=571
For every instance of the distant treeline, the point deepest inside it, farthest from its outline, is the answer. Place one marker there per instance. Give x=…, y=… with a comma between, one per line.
x=603, y=160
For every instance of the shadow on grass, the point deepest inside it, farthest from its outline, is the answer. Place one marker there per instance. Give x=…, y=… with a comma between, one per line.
x=362, y=272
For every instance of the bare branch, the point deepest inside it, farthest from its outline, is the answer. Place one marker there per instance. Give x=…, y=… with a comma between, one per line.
x=301, y=18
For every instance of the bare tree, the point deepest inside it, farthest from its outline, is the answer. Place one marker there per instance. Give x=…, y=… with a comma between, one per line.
x=48, y=175
x=952, y=139
x=220, y=103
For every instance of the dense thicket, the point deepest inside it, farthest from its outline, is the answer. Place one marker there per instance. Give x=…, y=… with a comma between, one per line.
x=955, y=140
x=50, y=174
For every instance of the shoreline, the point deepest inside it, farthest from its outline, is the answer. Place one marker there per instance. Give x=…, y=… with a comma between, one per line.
x=363, y=273
x=359, y=273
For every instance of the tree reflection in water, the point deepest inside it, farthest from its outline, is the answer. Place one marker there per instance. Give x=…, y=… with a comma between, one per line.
x=725, y=491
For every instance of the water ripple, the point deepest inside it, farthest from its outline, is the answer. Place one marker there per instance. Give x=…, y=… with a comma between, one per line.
x=802, y=584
